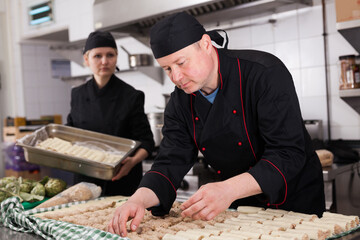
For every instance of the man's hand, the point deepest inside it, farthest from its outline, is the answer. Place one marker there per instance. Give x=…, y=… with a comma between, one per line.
x=210, y=200
x=134, y=209
x=127, y=211
x=214, y=198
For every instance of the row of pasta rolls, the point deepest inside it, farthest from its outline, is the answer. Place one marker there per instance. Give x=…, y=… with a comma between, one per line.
x=271, y=224
x=65, y=147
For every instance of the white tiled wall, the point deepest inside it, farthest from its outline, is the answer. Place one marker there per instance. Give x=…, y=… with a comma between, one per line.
x=296, y=38
x=43, y=94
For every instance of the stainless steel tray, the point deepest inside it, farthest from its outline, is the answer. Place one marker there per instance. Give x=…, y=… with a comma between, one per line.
x=70, y=163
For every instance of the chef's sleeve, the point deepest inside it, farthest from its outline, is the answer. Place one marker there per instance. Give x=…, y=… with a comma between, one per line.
x=281, y=127
x=176, y=156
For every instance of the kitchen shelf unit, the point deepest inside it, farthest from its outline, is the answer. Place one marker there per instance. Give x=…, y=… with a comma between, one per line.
x=155, y=73
x=351, y=97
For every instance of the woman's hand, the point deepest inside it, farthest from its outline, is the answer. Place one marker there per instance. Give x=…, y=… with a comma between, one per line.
x=128, y=163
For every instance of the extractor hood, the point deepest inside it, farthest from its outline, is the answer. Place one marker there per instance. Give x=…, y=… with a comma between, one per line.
x=137, y=17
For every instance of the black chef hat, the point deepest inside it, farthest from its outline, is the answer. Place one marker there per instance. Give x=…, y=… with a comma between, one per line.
x=173, y=33
x=180, y=30
x=99, y=39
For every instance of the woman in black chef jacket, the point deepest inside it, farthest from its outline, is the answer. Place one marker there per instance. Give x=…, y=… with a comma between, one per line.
x=240, y=110
x=106, y=104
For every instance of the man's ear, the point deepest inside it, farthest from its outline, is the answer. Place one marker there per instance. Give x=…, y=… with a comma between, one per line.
x=205, y=42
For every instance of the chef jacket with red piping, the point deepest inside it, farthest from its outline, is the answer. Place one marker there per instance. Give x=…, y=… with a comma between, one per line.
x=254, y=125
x=116, y=109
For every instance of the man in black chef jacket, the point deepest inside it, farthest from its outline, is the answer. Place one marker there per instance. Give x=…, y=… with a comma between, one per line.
x=240, y=110
x=106, y=104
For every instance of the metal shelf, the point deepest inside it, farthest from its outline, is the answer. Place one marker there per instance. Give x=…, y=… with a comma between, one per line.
x=155, y=73
x=351, y=97
x=351, y=32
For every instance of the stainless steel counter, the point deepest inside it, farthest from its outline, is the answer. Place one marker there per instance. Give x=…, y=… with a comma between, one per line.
x=332, y=171
x=342, y=182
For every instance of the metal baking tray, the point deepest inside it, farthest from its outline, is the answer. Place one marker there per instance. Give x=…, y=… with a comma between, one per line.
x=70, y=163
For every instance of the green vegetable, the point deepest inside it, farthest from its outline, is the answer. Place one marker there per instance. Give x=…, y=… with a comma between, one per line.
x=26, y=187
x=54, y=186
x=30, y=197
x=39, y=189
x=13, y=187
x=44, y=180
x=4, y=181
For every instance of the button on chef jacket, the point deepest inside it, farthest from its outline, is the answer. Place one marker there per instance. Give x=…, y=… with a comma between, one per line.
x=116, y=109
x=254, y=125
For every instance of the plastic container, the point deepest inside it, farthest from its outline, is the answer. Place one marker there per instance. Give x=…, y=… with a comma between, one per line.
x=349, y=72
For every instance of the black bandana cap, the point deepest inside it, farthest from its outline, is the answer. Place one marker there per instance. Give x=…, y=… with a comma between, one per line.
x=99, y=39
x=173, y=33
x=178, y=31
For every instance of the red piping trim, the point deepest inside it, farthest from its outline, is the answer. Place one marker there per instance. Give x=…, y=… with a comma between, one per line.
x=192, y=117
x=242, y=105
x=276, y=205
x=219, y=67
x=166, y=179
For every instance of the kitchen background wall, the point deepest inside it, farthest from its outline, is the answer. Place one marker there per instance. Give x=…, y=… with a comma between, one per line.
x=296, y=37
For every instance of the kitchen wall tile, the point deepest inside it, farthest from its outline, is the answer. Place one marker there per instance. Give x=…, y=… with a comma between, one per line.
x=42, y=50
x=313, y=82
x=27, y=50
x=30, y=78
x=331, y=17
x=342, y=114
x=28, y=62
x=43, y=64
x=334, y=80
x=288, y=52
x=286, y=26
x=32, y=111
x=31, y=95
x=63, y=109
x=270, y=48
x=314, y=108
x=338, y=46
x=312, y=52
x=46, y=94
x=46, y=108
x=310, y=22
x=262, y=34
x=240, y=38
